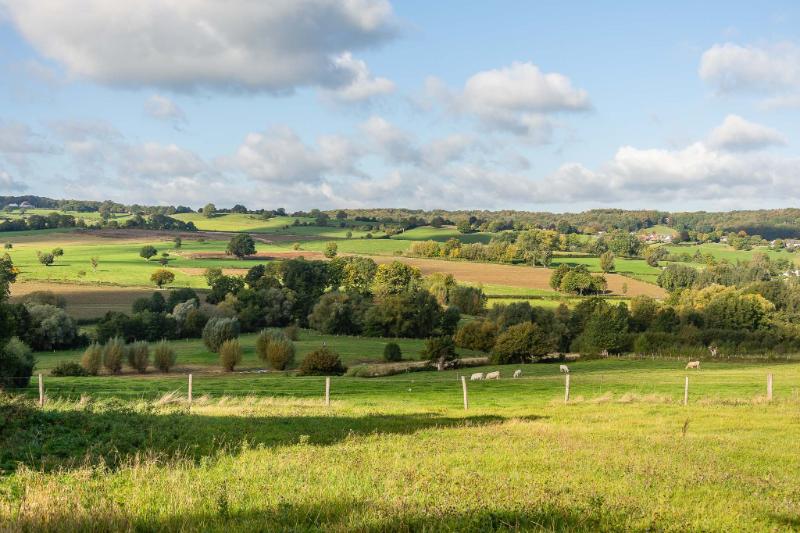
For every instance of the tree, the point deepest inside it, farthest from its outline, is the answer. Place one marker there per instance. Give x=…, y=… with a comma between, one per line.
x=46, y=259
x=16, y=364
x=113, y=352
x=241, y=246
x=476, y=335
x=95, y=261
x=440, y=352
x=358, y=274
x=675, y=277
x=522, y=343
x=607, y=262
x=468, y=299
x=177, y=243
x=395, y=278
x=57, y=252
x=339, y=313
x=92, y=359
x=162, y=277
x=464, y=226
x=147, y=252
x=219, y=330
x=331, y=248
x=280, y=353
x=138, y=356
x=209, y=210
x=164, y=356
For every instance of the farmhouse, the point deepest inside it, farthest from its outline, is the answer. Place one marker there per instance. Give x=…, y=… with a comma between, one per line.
x=656, y=238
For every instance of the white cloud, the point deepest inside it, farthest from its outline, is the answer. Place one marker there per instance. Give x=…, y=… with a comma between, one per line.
x=736, y=133
x=9, y=184
x=183, y=45
x=772, y=70
x=519, y=99
x=279, y=156
x=19, y=138
x=163, y=108
x=363, y=85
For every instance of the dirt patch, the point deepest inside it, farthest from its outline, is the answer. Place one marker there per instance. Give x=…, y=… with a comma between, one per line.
x=85, y=301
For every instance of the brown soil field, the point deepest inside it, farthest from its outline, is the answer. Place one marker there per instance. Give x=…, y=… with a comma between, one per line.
x=85, y=301
x=465, y=272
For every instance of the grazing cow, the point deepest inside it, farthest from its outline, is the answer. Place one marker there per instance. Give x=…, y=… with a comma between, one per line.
x=564, y=369
x=517, y=373
x=493, y=375
x=476, y=377
x=693, y=364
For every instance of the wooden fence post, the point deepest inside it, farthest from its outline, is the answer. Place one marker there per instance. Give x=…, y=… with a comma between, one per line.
x=190, y=389
x=686, y=391
x=769, y=387
x=464, y=388
x=566, y=390
x=41, y=391
x=327, y=391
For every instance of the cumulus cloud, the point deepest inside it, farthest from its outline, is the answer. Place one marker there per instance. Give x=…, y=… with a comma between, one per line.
x=736, y=133
x=163, y=108
x=772, y=70
x=519, y=99
x=271, y=46
x=363, y=86
x=19, y=138
x=279, y=156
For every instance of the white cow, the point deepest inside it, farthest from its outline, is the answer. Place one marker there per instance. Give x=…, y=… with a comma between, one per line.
x=693, y=364
x=517, y=373
x=476, y=377
x=493, y=375
x=564, y=369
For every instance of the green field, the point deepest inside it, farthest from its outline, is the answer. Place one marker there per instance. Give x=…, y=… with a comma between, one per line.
x=193, y=355
x=634, y=268
x=429, y=233
x=725, y=252
x=262, y=452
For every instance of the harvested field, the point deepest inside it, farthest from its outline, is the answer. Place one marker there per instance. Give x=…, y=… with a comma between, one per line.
x=85, y=301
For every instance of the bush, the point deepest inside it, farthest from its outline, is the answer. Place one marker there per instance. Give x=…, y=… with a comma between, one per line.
x=230, y=354
x=219, y=330
x=164, y=357
x=139, y=356
x=392, y=352
x=280, y=354
x=265, y=338
x=92, y=359
x=322, y=362
x=292, y=332
x=113, y=352
x=68, y=369
x=16, y=364
x=51, y=328
x=477, y=335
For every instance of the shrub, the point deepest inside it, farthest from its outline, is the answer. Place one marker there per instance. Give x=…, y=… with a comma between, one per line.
x=230, y=354
x=92, y=359
x=476, y=335
x=164, y=357
x=264, y=339
x=469, y=300
x=113, y=352
x=322, y=362
x=219, y=330
x=16, y=364
x=68, y=368
x=51, y=328
x=292, y=332
x=392, y=353
x=138, y=356
x=280, y=354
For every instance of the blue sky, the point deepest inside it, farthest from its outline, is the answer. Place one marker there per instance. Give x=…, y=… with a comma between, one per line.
x=365, y=103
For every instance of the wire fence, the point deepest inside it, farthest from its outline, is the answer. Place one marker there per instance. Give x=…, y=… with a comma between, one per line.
x=445, y=389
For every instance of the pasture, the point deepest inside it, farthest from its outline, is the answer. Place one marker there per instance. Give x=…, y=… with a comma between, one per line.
x=401, y=453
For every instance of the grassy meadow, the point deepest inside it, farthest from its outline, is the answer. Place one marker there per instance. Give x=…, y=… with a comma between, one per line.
x=258, y=452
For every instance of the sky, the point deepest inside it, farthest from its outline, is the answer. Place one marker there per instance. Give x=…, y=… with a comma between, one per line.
x=542, y=106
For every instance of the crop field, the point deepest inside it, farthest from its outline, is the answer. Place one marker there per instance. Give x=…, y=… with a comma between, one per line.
x=428, y=233
x=401, y=453
x=635, y=268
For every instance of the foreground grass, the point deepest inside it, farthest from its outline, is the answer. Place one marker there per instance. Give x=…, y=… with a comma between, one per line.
x=406, y=456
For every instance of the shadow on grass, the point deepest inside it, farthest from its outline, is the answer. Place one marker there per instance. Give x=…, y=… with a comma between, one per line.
x=114, y=432
x=338, y=515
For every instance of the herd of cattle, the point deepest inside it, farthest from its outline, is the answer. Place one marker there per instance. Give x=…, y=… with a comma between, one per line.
x=564, y=369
